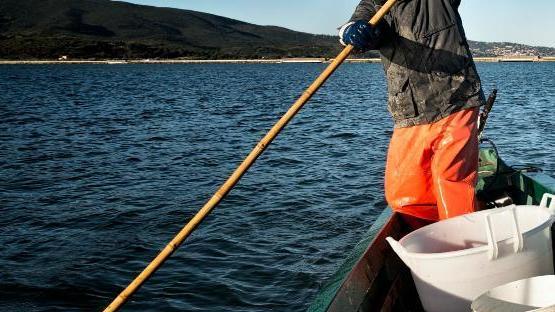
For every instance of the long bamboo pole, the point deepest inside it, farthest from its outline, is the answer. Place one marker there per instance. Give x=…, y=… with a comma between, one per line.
x=239, y=172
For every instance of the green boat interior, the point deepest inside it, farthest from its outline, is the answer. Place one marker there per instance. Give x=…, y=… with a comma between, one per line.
x=373, y=278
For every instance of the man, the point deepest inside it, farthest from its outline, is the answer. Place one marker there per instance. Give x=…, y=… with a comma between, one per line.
x=434, y=98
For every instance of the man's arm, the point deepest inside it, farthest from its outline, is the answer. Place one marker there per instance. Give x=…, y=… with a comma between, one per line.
x=366, y=9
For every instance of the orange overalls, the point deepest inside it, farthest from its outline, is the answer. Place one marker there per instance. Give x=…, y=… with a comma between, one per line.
x=432, y=169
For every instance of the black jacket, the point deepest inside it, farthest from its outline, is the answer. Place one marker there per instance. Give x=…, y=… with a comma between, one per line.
x=428, y=64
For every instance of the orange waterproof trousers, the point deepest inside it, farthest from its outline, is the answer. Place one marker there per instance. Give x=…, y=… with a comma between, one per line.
x=432, y=169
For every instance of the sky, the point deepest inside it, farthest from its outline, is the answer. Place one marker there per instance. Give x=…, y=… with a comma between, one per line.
x=528, y=22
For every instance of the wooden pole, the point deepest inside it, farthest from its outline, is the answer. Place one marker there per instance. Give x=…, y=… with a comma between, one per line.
x=239, y=172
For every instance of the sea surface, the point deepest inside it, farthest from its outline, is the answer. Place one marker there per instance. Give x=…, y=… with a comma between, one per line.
x=100, y=165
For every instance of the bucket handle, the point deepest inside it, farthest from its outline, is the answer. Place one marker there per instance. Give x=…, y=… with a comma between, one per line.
x=492, y=243
x=399, y=250
x=551, y=206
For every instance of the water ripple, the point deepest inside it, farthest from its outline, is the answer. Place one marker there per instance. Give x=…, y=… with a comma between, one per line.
x=101, y=165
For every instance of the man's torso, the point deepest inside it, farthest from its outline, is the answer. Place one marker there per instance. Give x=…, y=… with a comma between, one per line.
x=427, y=61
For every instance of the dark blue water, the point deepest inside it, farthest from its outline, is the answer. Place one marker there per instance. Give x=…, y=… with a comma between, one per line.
x=102, y=164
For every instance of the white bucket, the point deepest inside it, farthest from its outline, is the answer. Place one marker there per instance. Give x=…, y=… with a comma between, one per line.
x=531, y=294
x=456, y=260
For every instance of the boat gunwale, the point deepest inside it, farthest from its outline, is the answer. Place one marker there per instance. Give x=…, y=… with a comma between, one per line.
x=393, y=220
x=337, y=282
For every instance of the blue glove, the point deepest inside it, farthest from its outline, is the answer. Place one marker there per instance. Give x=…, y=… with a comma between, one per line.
x=361, y=35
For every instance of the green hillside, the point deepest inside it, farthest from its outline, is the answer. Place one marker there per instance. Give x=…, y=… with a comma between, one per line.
x=111, y=29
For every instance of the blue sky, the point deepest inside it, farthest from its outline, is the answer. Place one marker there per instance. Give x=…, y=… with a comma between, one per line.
x=529, y=22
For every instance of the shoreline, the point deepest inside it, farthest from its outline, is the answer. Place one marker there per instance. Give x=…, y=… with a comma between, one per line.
x=530, y=59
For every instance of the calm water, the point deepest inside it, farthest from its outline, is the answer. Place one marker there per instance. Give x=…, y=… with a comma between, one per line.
x=102, y=164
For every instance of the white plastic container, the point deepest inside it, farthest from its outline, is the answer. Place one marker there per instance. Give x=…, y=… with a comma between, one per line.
x=531, y=294
x=456, y=260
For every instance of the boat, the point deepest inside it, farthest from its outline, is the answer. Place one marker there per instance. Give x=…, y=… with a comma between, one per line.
x=373, y=277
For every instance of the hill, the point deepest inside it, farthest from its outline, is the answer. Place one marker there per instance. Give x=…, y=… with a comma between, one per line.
x=111, y=29
x=101, y=29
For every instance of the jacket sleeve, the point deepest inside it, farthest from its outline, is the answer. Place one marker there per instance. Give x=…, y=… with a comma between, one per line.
x=366, y=9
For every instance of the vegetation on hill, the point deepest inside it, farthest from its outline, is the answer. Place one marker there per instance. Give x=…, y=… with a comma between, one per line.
x=102, y=29
x=110, y=29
